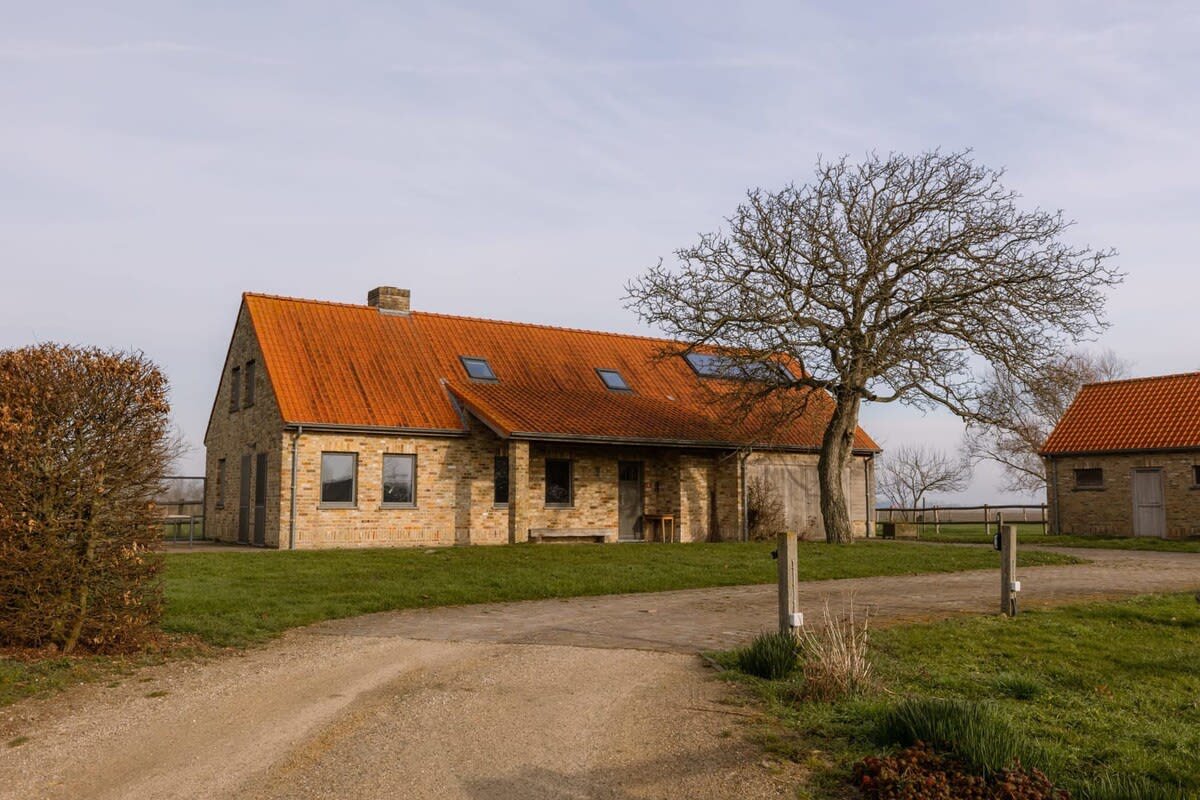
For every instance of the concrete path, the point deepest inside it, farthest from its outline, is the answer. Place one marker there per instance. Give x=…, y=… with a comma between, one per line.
x=480, y=702
x=697, y=620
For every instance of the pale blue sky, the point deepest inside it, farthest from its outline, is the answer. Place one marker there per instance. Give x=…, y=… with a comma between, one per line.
x=523, y=160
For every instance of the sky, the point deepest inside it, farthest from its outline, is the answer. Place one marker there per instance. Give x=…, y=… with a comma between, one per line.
x=525, y=160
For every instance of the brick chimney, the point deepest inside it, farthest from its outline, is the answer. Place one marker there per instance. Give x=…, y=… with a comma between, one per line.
x=389, y=298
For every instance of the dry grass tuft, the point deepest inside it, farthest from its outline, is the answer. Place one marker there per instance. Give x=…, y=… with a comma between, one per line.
x=836, y=663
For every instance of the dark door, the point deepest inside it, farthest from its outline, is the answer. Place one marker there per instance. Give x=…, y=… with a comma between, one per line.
x=1149, y=511
x=629, y=500
x=260, y=499
x=244, y=501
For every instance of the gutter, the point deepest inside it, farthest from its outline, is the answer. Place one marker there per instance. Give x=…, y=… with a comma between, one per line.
x=292, y=516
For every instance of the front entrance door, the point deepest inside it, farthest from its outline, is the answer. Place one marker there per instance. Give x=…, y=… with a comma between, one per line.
x=244, y=502
x=629, y=500
x=1149, y=512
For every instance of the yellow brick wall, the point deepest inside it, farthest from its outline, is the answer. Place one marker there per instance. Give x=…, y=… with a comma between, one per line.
x=1109, y=511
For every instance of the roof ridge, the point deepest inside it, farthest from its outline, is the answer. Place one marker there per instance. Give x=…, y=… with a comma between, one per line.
x=1145, y=378
x=441, y=315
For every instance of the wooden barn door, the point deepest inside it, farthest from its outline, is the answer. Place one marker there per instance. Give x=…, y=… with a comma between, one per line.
x=1149, y=510
x=244, y=501
x=260, y=499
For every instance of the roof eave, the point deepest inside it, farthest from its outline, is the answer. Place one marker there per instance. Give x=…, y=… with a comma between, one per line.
x=1125, y=451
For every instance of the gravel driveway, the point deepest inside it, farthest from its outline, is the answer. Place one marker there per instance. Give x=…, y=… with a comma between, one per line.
x=581, y=698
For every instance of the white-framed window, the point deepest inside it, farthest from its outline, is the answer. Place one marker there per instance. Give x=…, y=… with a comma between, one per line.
x=339, y=480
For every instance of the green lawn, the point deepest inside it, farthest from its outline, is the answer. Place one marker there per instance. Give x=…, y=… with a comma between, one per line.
x=237, y=598
x=241, y=597
x=1031, y=533
x=1103, y=687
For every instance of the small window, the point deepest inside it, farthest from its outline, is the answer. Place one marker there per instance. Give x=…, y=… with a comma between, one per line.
x=338, y=472
x=1196, y=475
x=613, y=380
x=220, y=483
x=1091, y=478
x=558, y=482
x=711, y=365
x=500, y=481
x=399, y=480
x=478, y=368
x=235, y=388
x=249, y=384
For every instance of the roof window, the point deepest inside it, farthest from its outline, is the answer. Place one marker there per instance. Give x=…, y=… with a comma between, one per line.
x=478, y=368
x=613, y=380
x=711, y=365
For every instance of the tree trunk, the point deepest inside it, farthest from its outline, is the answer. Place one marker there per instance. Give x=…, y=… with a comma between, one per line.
x=836, y=449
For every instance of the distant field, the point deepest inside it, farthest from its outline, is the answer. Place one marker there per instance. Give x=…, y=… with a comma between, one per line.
x=1031, y=533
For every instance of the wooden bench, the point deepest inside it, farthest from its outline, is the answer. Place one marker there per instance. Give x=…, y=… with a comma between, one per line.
x=570, y=534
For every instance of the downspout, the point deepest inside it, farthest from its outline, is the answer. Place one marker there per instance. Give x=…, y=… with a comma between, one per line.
x=867, y=494
x=745, y=531
x=292, y=516
x=1057, y=504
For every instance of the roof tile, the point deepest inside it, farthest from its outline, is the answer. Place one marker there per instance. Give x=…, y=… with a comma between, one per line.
x=1159, y=413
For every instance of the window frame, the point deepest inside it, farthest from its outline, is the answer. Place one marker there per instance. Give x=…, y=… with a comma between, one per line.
x=734, y=371
x=248, y=383
x=1196, y=476
x=624, y=388
x=570, y=502
x=480, y=360
x=222, y=467
x=1089, y=487
x=383, y=502
x=235, y=389
x=496, y=503
x=353, y=502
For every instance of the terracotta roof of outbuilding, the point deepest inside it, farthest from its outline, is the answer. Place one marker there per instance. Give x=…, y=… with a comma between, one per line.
x=1159, y=413
x=353, y=366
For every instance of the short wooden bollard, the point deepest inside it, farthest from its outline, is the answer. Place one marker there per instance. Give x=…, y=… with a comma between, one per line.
x=790, y=617
x=1009, y=585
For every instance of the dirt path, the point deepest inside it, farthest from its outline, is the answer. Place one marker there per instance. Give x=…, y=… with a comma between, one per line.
x=581, y=698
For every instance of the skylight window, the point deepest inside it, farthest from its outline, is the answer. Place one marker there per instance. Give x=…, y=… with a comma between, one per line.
x=613, y=380
x=711, y=365
x=478, y=368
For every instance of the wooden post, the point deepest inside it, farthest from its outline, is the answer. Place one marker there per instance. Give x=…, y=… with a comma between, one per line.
x=986, y=522
x=1008, y=569
x=937, y=521
x=790, y=617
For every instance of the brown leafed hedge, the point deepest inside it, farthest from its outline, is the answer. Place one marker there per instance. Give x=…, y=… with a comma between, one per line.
x=85, y=439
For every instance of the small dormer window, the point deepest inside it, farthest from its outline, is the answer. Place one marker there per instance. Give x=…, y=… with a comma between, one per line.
x=613, y=380
x=478, y=368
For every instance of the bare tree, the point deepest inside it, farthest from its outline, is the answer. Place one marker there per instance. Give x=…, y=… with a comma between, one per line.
x=910, y=472
x=1020, y=410
x=881, y=281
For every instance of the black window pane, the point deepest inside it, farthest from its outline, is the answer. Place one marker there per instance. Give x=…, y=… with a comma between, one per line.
x=558, y=481
x=235, y=388
x=1089, y=478
x=500, y=478
x=398, y=479
x=249, y=383
x=337, y=477
x=1196, y=474
x=479, y=369
x=613, y=380
x=710, y=365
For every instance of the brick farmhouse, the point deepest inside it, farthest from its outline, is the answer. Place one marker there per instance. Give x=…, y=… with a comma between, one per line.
x=1125, y=459
x=338, y=425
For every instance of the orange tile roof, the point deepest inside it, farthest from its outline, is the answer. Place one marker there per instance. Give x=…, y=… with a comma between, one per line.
x=1160, y=413
x=353, y=366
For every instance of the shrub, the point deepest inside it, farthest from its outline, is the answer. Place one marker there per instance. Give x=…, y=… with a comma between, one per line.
x=921, y=772
x=84, y=442
x=835, y=655
x=770, y=655
x=765, y=518
x=974, y=732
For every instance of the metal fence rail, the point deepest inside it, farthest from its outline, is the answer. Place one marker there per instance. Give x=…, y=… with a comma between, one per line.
x=986, y=514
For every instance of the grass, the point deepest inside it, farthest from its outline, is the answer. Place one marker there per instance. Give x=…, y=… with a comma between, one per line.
x=1106, y=692
x=238, y=598
x=1032, y=533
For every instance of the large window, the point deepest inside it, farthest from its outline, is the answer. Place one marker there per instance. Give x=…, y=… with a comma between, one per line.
x=235, y=388
x=399, y=480
x=1090, y=478
x=558, y=482
x=338, y=479
x=478, y=368
x=249, y=401
x=500, y=481
x=711, y=365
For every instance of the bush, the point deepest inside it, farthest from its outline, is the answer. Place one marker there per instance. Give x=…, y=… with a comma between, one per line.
x=771, y=656
x=977, y=734
x=835, y=656
x=765, y=517
x=921, y=772
x=84, y=442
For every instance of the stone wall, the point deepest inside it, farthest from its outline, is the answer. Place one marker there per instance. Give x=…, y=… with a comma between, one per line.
x=1108, y=511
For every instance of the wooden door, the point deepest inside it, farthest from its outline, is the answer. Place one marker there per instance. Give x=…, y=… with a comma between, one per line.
x=260, y=499
x=1149, y=510
x=629, y=500
x=244, y=501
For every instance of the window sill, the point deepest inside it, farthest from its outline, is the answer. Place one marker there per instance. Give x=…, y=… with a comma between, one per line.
x=499, y=506
x=1089, y=488
x=390, y=506
x=337, y=506
x=558, y=506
